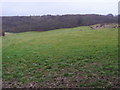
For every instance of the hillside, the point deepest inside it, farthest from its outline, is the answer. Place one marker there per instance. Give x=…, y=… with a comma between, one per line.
x=73, y=57
x=50, y=22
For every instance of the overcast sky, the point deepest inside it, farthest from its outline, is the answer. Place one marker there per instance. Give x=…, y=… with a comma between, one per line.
x=57, y=7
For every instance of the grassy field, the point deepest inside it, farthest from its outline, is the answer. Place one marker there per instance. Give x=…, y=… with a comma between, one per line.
x=73, y=57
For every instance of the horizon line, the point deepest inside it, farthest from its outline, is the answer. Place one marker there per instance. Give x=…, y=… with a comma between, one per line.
x=57, y=15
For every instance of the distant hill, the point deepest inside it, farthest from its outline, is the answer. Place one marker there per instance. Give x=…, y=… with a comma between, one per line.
x=50, y=22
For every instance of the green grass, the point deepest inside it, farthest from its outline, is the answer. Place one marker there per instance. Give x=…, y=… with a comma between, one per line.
x=81, y=54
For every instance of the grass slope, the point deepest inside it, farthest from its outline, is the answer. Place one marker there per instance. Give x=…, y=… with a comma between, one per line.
x=73, y=57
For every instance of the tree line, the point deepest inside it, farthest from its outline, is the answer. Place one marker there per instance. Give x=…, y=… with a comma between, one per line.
x=49, y=22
